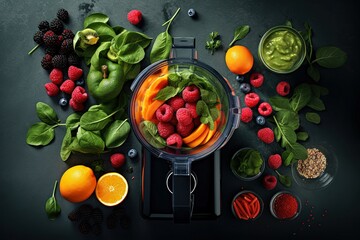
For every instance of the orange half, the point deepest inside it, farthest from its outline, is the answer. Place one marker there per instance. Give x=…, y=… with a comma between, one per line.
x=111, y=189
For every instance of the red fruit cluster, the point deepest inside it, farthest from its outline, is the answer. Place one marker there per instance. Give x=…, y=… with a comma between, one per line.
x=274, y=161
x=178, y=117
x=134, y=17
x=269, y=182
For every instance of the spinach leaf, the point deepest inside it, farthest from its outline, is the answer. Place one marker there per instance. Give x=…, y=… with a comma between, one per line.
x=316, y=104
x=116, y=134
x=298, y=150
x=73, y=121
x=330, y=57
x=313, y=117
x=301, y=97
x=94, y=120
x=313, y=72
x=40, y=134
x=150, y=133
x=102, y=29
x=319, y=91
x=166, y=93
x=46, y=113
x=284, y=180
x=161, y=48
x=95, y=17
x=65, y=151
x=240, y=33
x=52, y=208
x=279, y=103
x=95, y=59
x=131, y=53
x=302, y=136
x=287, y=157
x=89, y=142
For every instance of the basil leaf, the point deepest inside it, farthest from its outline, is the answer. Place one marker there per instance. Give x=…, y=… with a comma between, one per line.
x=330, y=57
x=313, y=117
x=73, y=121
x=65, y=151
x=313, y=72
x=240, y=33
x=95, y=17
x=161, y=48
x=117, y=133
x=316, y=104
x=40, y=134
x=166, y=93
x=46, y=113
x=94, y=120
x=301, y=97
x=302, y=136
x=279, y=103
x=131, y=53
x=52, y=208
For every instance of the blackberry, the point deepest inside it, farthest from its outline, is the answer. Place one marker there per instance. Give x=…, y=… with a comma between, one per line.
x=84, y=227
x=46, y=62
x=53, y=50
x=125, y=222
x=68, y=34
x=96, y=229
x=74, y=60
x=44, y=26
x=63, y=15
x=97, y=215
x=66, y=46
x=56, y=26
x=59, y=61
x=50, y=39
x=38, y=37
x=111, y=221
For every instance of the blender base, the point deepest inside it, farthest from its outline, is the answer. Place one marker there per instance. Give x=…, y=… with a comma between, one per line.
x=156, y=198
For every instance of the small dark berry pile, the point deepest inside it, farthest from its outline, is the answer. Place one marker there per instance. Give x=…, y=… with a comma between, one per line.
x=57, y=42
x=89, y=219
x=118, y=216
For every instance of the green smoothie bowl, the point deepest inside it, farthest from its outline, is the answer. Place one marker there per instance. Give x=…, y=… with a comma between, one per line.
x=282, y=49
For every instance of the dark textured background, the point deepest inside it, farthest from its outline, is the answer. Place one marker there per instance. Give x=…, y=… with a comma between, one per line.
x=27, y=174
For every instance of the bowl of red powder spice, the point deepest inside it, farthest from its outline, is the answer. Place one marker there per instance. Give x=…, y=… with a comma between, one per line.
x=285, y=205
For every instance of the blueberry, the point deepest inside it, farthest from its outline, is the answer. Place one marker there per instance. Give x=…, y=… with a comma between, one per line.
x=63, y=101
x=132, y=153
x=191, y=12
x=240, y=78
x=260, y=120
x=80, y=82
x=245, y=87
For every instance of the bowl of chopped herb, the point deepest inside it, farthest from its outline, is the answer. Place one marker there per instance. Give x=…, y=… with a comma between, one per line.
x=318, y=170
x=247, y=164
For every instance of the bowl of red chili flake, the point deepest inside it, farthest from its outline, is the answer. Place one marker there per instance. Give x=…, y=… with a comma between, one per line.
x=247, y=205
x=285, y=205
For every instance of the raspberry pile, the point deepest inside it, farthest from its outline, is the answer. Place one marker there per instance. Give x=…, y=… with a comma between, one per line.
x=69, y=88
x=178, y=117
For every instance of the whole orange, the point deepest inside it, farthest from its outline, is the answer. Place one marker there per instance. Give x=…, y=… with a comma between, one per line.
x=77, y=183
x=239, y=59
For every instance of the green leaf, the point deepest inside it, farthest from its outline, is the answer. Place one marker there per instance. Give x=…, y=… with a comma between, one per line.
x=118, y=29
x=100, y=51
x=313, y=117
x=289, y=134
x=319, y=91
x=131, y=53
x=284, y=180
x=40, y=134
x=288, y=23
x=166, y=93
x=102, y=29
x=277, y=134
x=288, y=118
x=150, y=133
x=94, y=120
x=161, y=48
x=46, y=113
x=330, y=57
x=95, y=17
x=287, y=157
x=116, y=134
x=313, y=72
x=240, y=33
x=302, y=136
x=52, y=208
x=301, y=97
x=316, y=104
x=65, y=151
x=298, y=150
x=73, y=121
x=279, y=103
x=89, y=141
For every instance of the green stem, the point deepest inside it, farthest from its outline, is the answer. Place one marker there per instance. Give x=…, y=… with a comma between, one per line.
x=168, y=22
x=33, y=49
x=53, y=193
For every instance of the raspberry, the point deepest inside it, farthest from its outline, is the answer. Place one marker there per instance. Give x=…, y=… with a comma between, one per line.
x=56, y=76
x=246, y=114
x=165, y=129
x=256, y=79
x=269, y=182
x=79, y=94
x=164, y=113
x=176, y=102
x=184, y=130
x=192, y=108
x=266, y=135
x=274, y=161
x=197, y=121
x=76, y=106
x=174, y=140
x=74, y=73
x=283, y=88
x=183, y=116
x=251, y=99
x=134, y=17
x=191, y=93
x=51, y=89
x=67, y=86
x=117, y=160
x=173, y=120
x=265, y=109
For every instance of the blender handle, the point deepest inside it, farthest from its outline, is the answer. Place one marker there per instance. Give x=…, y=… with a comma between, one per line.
x=183, y=199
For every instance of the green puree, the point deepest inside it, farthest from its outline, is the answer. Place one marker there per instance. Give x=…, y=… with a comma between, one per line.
x=282, y=49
